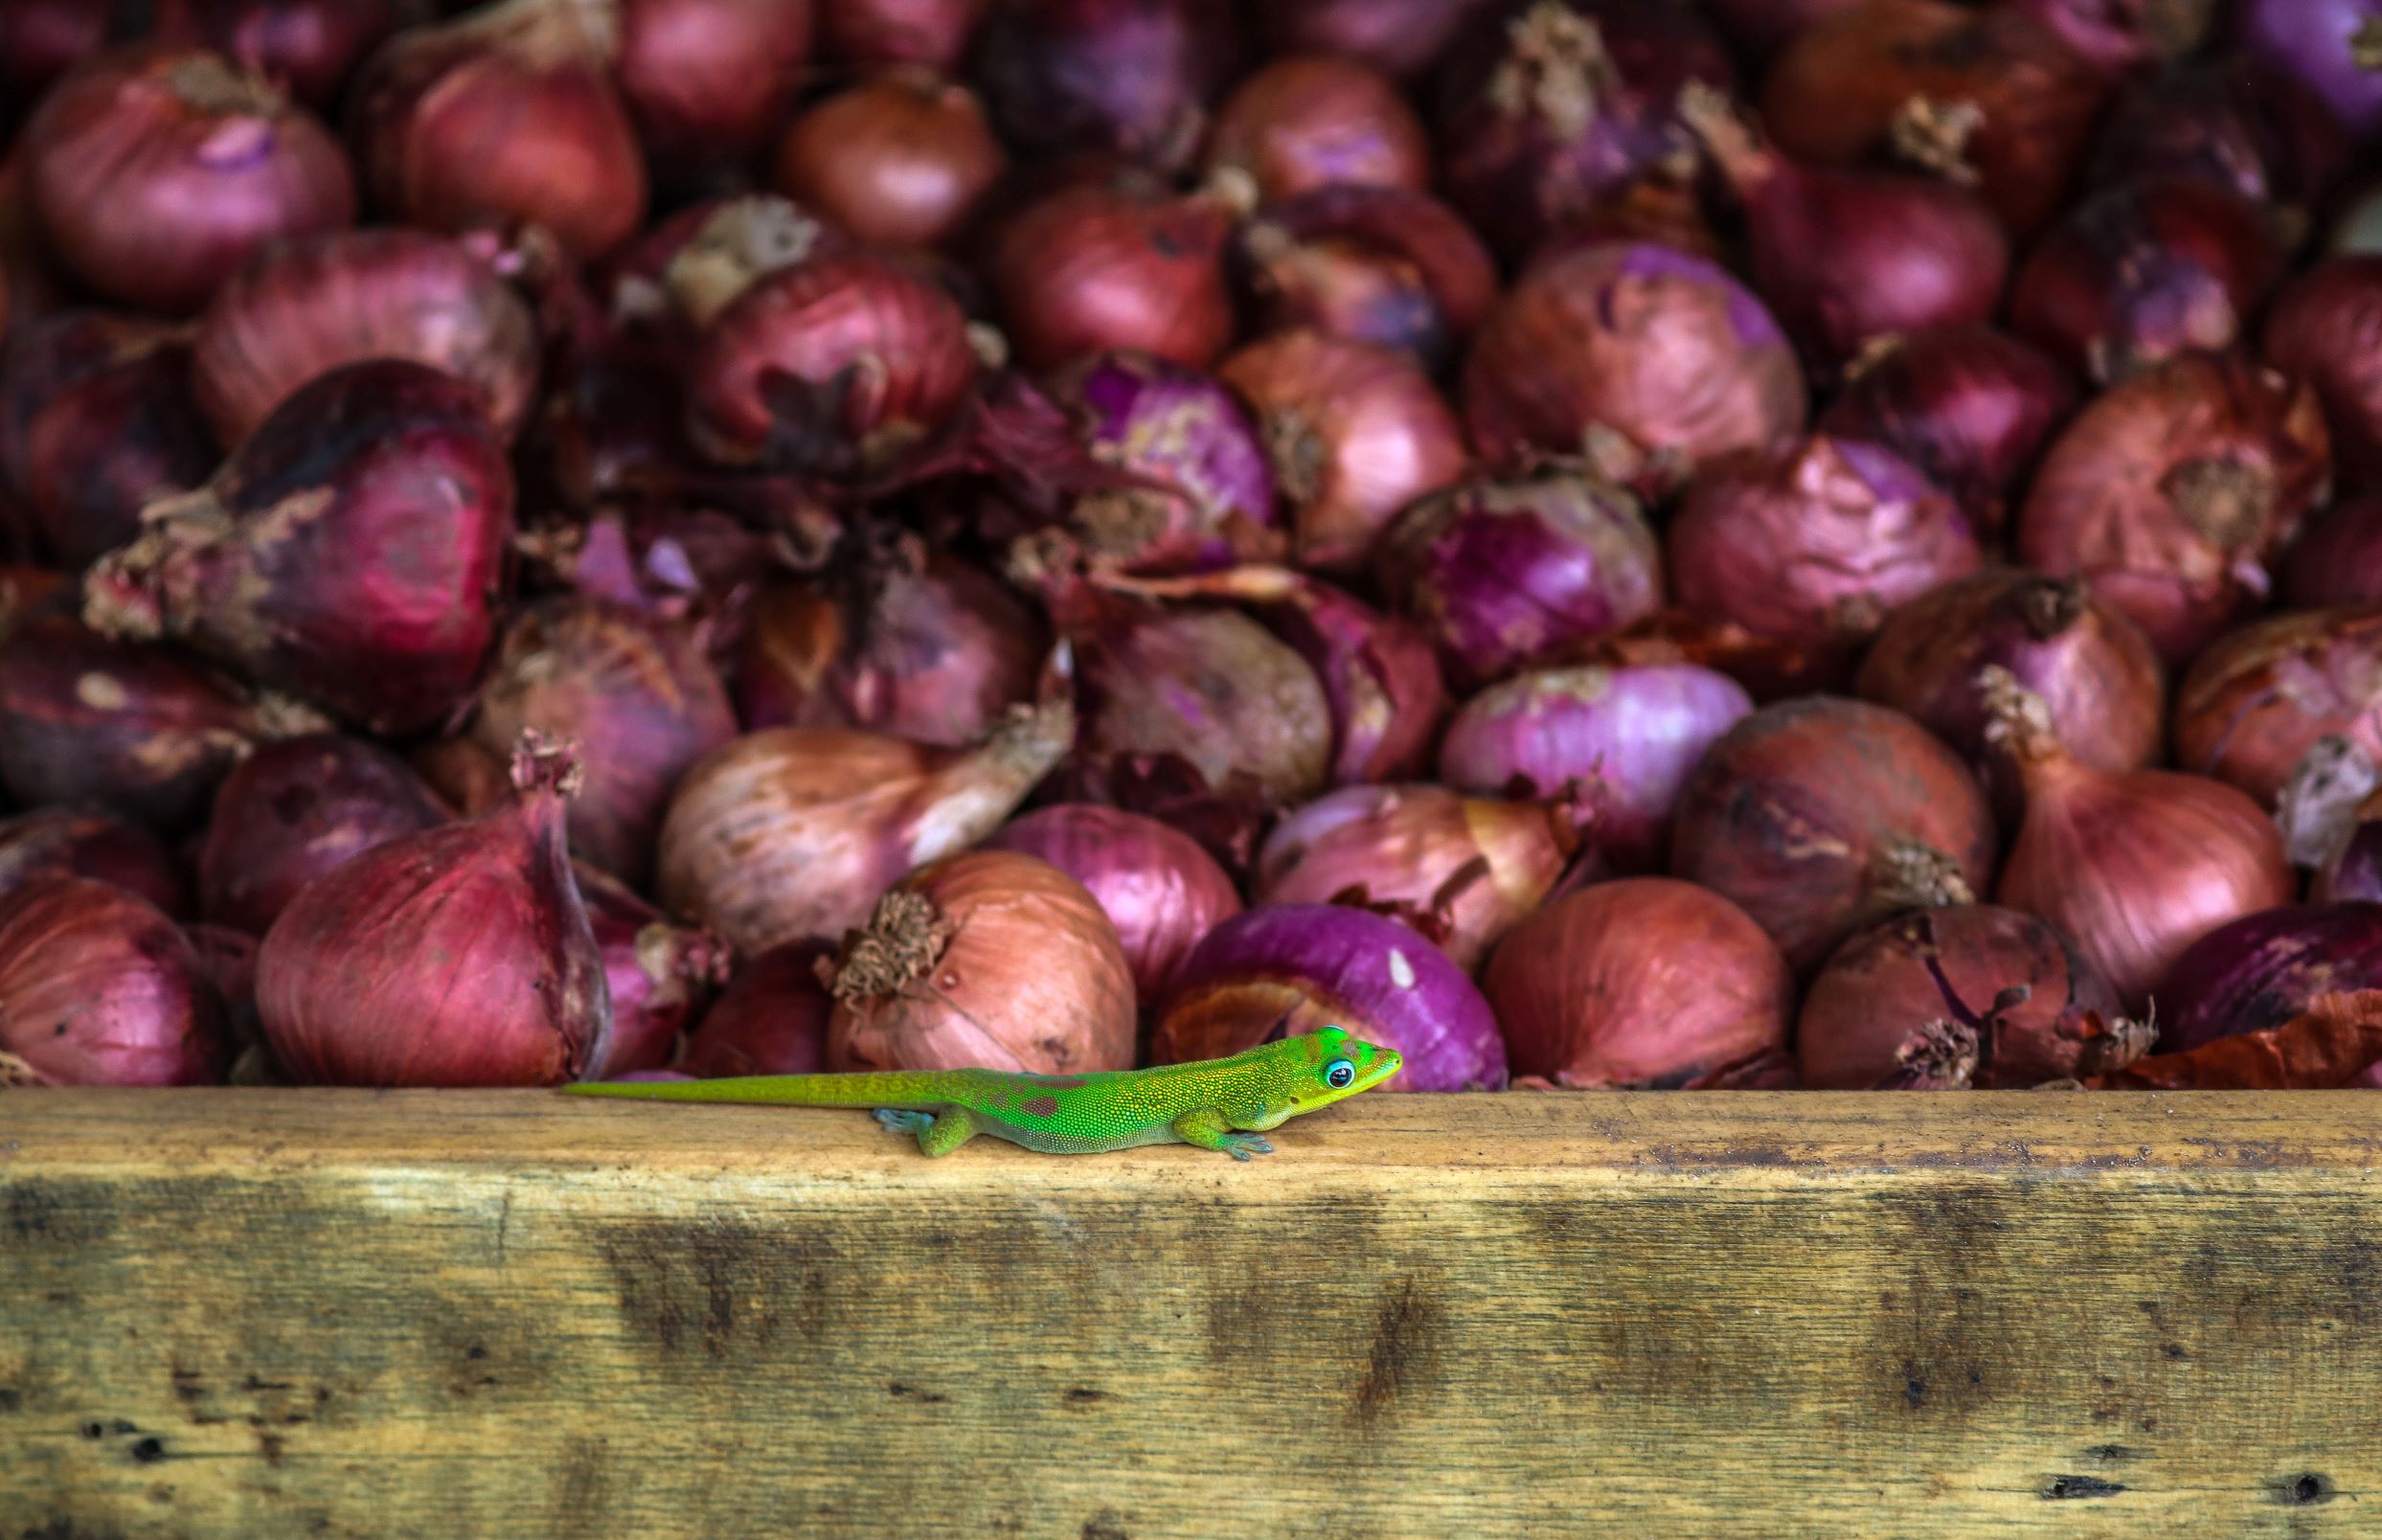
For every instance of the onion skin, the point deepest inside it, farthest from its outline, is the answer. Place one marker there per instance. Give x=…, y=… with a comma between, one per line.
x=1092, y=267
x=2266, y=970
x=2318, y=42
x=658, y=976
x=306, y=47
x=295, y=809
x=1285, y=970
x=1821, y=816
x=987, y=960
x=2172, y=491
x=932, y=32
x=2338, y=558
x=1131, y=77
x=1316, y=120
x=1374, y=264
x=2260, y=698
x=2235, y=122
x=303, y=307
x=1642, y=984
x=1653, y=359
x=2039, y=1009
x=771, y=1019
x=1379, y=675
x=2325, y=327
x=904, y=159
x=88, y=841
x=458, y=955
x=1401, y=38
x=706, y=81
x=1161, y=890
x=96, y=988
x=350, y=551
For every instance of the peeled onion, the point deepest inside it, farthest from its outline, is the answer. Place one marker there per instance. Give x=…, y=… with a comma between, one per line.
x=1158, y=888
x=96, y=988
x=295, y=809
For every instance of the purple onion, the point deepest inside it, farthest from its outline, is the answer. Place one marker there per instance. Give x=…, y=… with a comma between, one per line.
x=2338, y=558
x=1288, y=969
x=1505, y=574
x=88, y=842
x=2351, y=866
x=2240, y=123
x=1160, y=890
x=1131, y=77
x=2262, y=970
x=1180, y=429
x=295, y=809
x=2328, y=44
x=1630, y=734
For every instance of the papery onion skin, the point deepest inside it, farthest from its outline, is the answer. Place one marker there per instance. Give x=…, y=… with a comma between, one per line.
x=2236, y=121
x=771, y=1019
x=657, y=976
x=1644, y=983
x=96, y=988
x=2325, y=328
x=706, y=81
x=1312, y=120
x=1285, y=970
x=987, y=960
x=295, y=809
x=1161, y=890
x=1370, y=264
x=2321, y=43
x=1093, y=266
x=306, y=47
x=904, y=159
x=1820, y=816
x=1379, y=673
x=932, y=32
x=1132, y=76
x=1399, y=37
x=2337, y=559
x=88, y=841
x=2260, y=698
x=2266, y=968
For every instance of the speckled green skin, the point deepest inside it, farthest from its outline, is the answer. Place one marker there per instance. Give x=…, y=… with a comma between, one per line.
x=1219, y=1104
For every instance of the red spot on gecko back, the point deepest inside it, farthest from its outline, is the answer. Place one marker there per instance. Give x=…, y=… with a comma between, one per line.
x=1059, y=1082
x=1041, y=1107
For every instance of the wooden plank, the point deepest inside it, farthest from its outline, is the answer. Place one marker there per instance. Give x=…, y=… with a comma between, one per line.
x=248, y=1314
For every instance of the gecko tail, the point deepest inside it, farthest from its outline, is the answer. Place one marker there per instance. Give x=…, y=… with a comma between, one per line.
x=777, y=1090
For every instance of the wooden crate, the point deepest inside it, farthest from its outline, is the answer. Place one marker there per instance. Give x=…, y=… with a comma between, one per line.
x=253, y=1314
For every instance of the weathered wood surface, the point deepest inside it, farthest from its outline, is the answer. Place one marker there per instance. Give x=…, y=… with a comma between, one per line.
x=253, y=1314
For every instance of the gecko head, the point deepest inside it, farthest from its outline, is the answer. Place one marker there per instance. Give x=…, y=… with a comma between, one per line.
x=1337, y=1066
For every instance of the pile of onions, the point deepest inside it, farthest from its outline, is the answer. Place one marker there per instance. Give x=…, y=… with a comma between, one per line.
x=2235, y=122
x=2258, y=699
x=771, y=1019
x=295, y=809
x=932, y=33
x=1309, y=122
x=96, y=988
x=306, y=47
x=72, y=840
x=1399, y=37
x=657, y=976
x=2338, y=558
x=2325, y=328
x=903, y=159
x=1821, y=816
x=1378, y=264
x=2266, y=970
x=1644, y=984
x=350, y=551
x=1115, y=265
x=1132, y=76
x=1161, y=890
x=2326, y=45
x=987, y=960
x=1285, y=970
x=706, y=81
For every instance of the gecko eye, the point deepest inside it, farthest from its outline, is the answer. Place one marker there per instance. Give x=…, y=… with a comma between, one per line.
x=1339, y=1074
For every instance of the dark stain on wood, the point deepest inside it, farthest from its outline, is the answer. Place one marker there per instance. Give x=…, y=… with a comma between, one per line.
x=2069, y=1488
x=1404, y=1355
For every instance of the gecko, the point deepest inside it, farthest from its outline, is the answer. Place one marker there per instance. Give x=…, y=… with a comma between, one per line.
x=1221, y=1104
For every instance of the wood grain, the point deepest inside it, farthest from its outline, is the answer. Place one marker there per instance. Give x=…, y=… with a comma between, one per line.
x=253, y=1314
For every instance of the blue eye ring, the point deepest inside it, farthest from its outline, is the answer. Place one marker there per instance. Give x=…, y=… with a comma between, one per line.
x=1339, y=1074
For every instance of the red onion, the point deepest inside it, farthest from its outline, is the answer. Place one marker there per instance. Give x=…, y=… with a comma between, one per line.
x=1093, y=266
x=296, y=810
x=1129, y=76
x=1968, y=406
x=2328, y=45
x=2352, y=866
x=2132, y=865
x=1158, y=888
x=1285, y=970
x=1548, y=108
x=2025, y=1005
x=2338, y=558
x=2260, y=698
x=349, y=552
x=1379, y=264
x=987, y=960
x=1629, y=735
x=658, y=976
x=2124, y=35
x=1399, y=37
x=507, y=113
x=1813, y=541
x=88, y=842
x=157, y=141
x=1648, y=358
x=904, y=159
x=306, y=47
x=1318, y=120
x=305, y=308
x=1356, y=431
x=1849, y=256
x=772, y=1019
x=2324, y=328
x=42, y=40
x=2171, y=492
x=695, y=566
x=2264, y=971
x=673, y=282
x=1821, y=816
x=1504, y=574
x=1599, y=991
x=96, y=988
x=2335, y=1043
x=2144, y=271
x=709, y=81
x=458, y=955
x=870, y=32
x=96, y=418
x=2237, y=123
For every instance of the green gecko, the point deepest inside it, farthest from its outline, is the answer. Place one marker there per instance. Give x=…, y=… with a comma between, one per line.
x=1215, y=1104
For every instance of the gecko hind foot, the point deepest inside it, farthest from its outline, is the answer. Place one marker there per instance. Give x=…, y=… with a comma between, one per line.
x=903, y=1122
x=1247, y=1146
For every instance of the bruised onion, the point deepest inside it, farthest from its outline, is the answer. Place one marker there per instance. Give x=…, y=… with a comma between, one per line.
x=295, y=809
x=2172, y=491
x=657, y=976
x=708, y=81
x=88, y=841
x=1644, y=984
x=987, y=960
x=350, y=551
x=1285, y=970
x=1161, y=890
x=2328, y=45
x=2325, y=328
x=1094, y=266
x=1319, y=119
x=1648, y=359
x=306, y=47
x=771, y=1019
x=458, y=955
x=1821, y=816
x=2266, y=970
x=2238, y=123
x=96, y=988
x=869, y=33
x=2260, y=698
x=1399, y=37
x=1380, y=264
x=1132, y=76
x=2337, y=559
x=901, y=160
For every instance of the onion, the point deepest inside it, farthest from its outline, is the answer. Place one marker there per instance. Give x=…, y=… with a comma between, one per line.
x=295, y=809
x=1599, y=991
x=1355, y=432
x=1093, y=266
x=2264, y=971
x=904, y=159
x=2132, y=865
x=673, y=282
x=692, y=565
x=96, y=418
x=2324, y=328
x=2093, y=669
x=791, y=833
x=2030, y=1007
x=2172, y=491
x=708, y=82
x=658, y=976
x=302, y=308
x=1548, y=108
x=1969, y=407
x=1847, y=257
x=306, y=47
x=932, y=32
x=1055, y=995
x=1128, y=75
x=1648, y=358
x=1316, y=119
x=42, y=40
x=2336, y=1043
x=2258, y=699
x=772, y=1019
x=88, y=842
x=349, y=552
x=2351, y=868
x=2124, y=35
x=1285, y=970
x=96, y=988
x=1158, y=888
x=458, y=955
x=1378, y=264
x=2144, y=271
x=1819, y=817
x=1399, y=37
x=1630, y=736
x=2237, y=123
x=1504, y=574
x=160, y=141
x=2338, y=558
x=1813, y=542
x=2328, y=45
x=505, y=113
